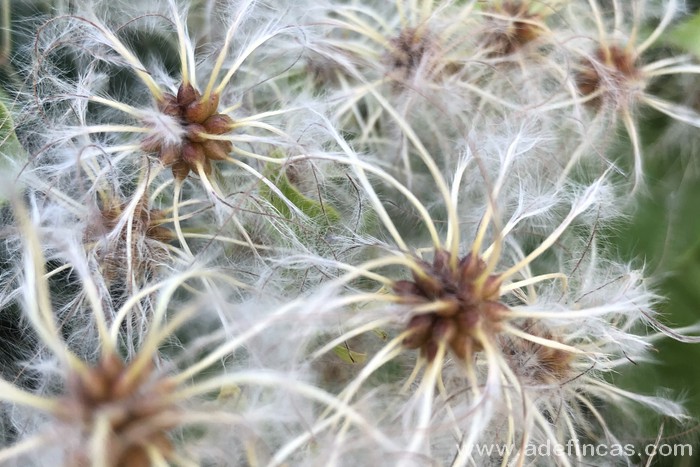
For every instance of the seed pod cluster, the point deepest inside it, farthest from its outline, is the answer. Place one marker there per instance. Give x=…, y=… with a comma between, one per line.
x=471, y=307
x=523, y=27
x=541, y=365
x=146, y=221
x=135, y=409
x=613, y=65
x=408, y=50
x=199, y=119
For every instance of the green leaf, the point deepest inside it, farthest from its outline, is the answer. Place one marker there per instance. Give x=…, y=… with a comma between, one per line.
x=314, y=209
x=687, y=35
x=349, y=356
x=9, y=143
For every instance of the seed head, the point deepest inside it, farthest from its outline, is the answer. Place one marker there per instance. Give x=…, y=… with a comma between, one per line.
x=198, y=117
x=471, y=305
x=130, y=406
x=522, y=27
x=614, y=68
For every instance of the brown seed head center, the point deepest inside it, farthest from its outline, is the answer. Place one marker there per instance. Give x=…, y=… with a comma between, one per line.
x=408, y=50
x=471, y=307
x=147, y=221
x=522, y=27
x=198, y=117
x=613, y=68
x=133, y=407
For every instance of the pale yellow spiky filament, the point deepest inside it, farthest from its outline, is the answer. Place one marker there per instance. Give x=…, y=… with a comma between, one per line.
x=242, y=58
x=675, y=111
x=479, y=418
x=351, y=100
x=155, y=193
x=390, y=351
x=95, y=302
x=546, y=427
x=516, y=313
x=340, y=411
x=126, y=108
x=478, y=90
x=534, y=280
x=190, y=202
x=670, y=10
x=670, y=67
x=582, y=148
x=579, y=207
x=426, y=10
x=171, y=284
x=454, y=193
x=250, y=123
x=266, y=181
x=596, y=414
x=157, y=334
x=401, y=12
x=155, y=457
x=10, y=393
x=31, y=444
x=99, y=440
x=224, y=50
x=182, y=461
x=362, y=269
x=490, y=209
x=361, y=167
x=420, y=363
x=574, y=101
x=360, y=27
x=252, y=118
x=509, y=377
x=183, y=48
x=442, y=390
x=602, y=36
x=38, y=305
x=636, y=148
x=452, y=243
x=176, y=218
x=354, y=49
x=127, y=55
x=426, y=393
x=656, y=446
x=353, y=160
x=5, y=12
x=365, y=270
x=572, y=434
x=372, y=325
x=233, y=344
x=58, y=195
x=510, y=436
x=216, y=194
x=370, y=13
x=224, y=239
x=262, y=378
x=457, y=24
x=542, y=341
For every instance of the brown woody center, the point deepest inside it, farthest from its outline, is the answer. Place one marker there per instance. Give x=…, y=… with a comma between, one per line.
x=614, y=65
x=471, y=305
x=523, y=27
x=198, y=117
x=408, y=50
x=135, y=409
